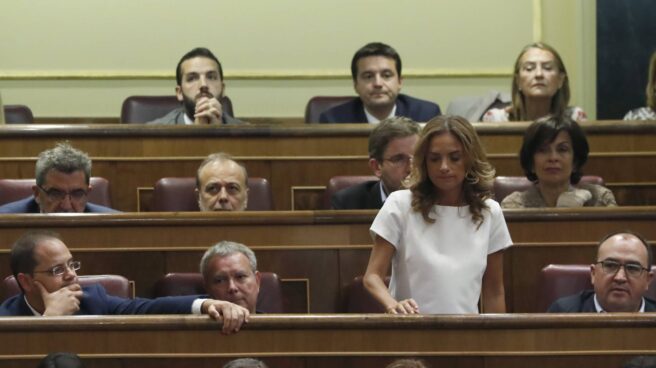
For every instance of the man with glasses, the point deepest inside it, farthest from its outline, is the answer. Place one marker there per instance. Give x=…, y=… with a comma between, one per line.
x=391, y=146
x=62, y=184
x=46, y=274
x=620, y=277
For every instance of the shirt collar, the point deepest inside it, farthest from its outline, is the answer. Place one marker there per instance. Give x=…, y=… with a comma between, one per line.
x=187, y=120
x=30, y=306
x=383, y=195
x=373, y=120
x=599, y=309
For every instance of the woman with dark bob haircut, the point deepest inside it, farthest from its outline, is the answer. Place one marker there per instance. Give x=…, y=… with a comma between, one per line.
x=552, y=156
x=444, y=236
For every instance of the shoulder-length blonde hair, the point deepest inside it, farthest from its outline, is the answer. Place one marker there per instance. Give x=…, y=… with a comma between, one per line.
x=559, y=101
x=651, y=83
x=479, y=177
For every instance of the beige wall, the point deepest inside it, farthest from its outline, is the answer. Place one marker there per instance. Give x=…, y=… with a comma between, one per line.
x=83, y=57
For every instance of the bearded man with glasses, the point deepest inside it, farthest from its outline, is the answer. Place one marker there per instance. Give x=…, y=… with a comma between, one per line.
x=62, y=184
x=620, y=276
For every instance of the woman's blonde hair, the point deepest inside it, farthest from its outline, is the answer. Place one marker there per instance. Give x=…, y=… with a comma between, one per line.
x=651, y=83
x=479, y=176
x=559, y=101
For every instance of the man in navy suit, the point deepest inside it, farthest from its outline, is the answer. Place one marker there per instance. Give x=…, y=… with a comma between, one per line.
x=620, y=277
x=376, y=73
x=62, y=184
x=45, y=271
x=391, y=146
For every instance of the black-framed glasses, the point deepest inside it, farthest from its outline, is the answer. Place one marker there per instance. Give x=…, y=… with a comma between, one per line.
x=399, y=160
x=612, y=267
x=61, y=269
x=60, y=195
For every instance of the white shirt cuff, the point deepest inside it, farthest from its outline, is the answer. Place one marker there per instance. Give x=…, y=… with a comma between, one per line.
x=195, y=306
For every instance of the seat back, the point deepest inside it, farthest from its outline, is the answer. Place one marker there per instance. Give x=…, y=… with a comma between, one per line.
x=14, y=189
x=115, y=285
x=319, y=104
x=178, y=194
x=18, y=114
x=142, y=109
x=360, y=300
x=505, y=185
x=337, y=183
x=557, y=281
x=269, y=300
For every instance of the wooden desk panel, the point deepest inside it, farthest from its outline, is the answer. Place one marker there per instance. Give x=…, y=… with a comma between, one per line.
x=128, y=140
x=326, y=248
x=632, y=173
x=476, y=341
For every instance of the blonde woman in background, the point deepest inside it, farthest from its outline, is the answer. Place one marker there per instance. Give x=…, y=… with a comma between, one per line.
x=648, y=112
x=540, y=87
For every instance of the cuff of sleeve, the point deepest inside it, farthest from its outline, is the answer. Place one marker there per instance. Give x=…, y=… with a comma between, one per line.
x=195, y=306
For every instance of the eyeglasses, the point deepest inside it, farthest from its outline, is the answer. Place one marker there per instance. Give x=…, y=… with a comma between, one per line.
x=399, y=160
x=60, y=195
x=630, y=269
x=61, y=269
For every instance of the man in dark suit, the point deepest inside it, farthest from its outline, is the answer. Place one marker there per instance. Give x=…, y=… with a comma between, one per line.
x=62, y=184
x=620, y=277
x=376, y=73
x=199, y=88
x=46, y=274
x=391, y=146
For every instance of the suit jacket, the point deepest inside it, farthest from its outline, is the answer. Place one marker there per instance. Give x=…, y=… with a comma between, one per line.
x=583, y=302
x=176, y=117
x=96, y=301
x=353, y=111
x=358, y=197
x=29, y=205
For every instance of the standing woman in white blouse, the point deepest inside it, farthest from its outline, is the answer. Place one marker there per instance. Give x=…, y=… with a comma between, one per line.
x=444, y=237
x=540, y=87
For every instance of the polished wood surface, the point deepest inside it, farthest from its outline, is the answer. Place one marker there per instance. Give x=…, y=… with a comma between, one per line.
x=494, y=340
x=280, y=139
x=316, y=252
x=297, y=182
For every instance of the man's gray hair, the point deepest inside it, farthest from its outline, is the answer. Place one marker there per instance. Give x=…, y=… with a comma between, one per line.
x=225, y=248
x=63, y=158
x=219, y=157
x=245, y=363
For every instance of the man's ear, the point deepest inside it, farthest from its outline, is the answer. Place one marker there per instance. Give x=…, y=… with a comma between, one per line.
x=375, y=167
x=178, y=93
x=258, y=278
x=25, y=281
x=222, y=91
x=592, y=273
x=650, y=276
x=246, y=198
x=35, y=191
